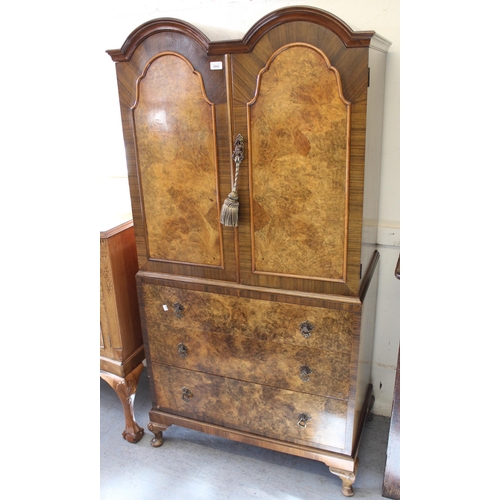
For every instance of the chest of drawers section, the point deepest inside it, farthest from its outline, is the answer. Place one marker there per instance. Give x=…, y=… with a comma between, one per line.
x=276, y=369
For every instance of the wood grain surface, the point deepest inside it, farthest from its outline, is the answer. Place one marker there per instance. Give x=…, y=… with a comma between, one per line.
x=299, y=124
x=175, y=131
x=241, y=358
x=256, y=319
x=121, y=336
x=314, y=243
x=255, y=408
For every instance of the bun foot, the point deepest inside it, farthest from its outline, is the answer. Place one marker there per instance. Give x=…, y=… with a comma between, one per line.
x=157, y=430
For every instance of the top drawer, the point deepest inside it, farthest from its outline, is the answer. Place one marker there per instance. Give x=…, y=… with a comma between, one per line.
x=167, y=307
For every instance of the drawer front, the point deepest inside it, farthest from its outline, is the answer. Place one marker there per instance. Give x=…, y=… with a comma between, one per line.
x=169, y=308
x=286, y=366
x=258, y=409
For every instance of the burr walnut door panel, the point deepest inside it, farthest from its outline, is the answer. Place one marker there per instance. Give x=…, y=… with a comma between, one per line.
x=175, y=130
x=174, y=111
x=292, y=107
x=259, y=409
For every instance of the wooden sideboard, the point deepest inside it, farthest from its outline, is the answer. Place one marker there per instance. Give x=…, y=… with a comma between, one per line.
x=122, y=350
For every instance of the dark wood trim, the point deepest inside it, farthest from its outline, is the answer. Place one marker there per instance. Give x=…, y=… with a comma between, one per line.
x=164, y=24
x=266, y=293
x=363, y=289
x=276, y=18
x=285, y=15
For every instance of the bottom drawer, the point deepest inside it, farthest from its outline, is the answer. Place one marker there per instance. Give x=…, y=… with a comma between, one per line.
x=266, y=411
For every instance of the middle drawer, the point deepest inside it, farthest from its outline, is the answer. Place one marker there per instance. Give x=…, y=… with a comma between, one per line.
x=286, y=366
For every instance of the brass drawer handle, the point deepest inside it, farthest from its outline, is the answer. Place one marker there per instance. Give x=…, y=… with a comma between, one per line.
x=179, y=309
x=306, y=329
x=303, y=419
x=187, y=394
x=305, y=371
x=182, y=350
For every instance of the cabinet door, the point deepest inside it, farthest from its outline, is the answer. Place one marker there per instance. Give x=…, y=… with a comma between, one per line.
x=300, y=101
x=173, y=107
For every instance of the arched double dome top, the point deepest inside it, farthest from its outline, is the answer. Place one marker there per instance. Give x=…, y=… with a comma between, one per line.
x=350, y=38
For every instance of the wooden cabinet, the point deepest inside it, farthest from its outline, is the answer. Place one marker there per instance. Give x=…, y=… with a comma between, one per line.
x=262, y=331
x=122, y=349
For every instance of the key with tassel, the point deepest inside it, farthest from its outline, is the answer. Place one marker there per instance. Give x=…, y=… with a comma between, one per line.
x=230, y=207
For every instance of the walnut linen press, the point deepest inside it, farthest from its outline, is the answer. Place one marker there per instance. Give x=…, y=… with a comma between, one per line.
x=260, y=332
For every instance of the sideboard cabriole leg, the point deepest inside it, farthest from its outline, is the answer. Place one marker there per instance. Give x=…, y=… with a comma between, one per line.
x=125, y=388
x=347, y=478
x=157, y=430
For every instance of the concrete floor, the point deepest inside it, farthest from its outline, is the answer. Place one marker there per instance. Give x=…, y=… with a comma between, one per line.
x=195, y=466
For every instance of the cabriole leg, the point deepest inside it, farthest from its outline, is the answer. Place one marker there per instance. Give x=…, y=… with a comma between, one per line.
x=125, y=389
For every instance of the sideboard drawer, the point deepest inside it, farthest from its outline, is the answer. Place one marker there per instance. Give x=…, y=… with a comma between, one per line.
x=168, y=308
x=286, y=366
x=259, y=409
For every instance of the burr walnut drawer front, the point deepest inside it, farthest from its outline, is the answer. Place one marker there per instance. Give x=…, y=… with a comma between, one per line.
x=168, y=308
x=263, y=410
x=287, y=366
